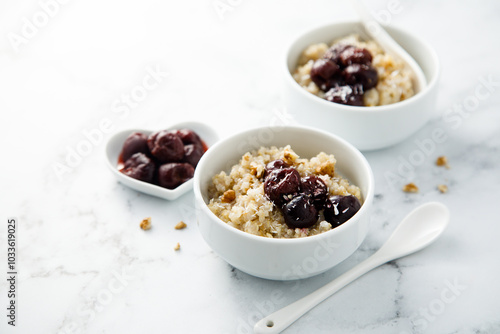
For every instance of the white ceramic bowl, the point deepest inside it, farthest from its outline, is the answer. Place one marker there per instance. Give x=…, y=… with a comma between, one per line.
x=367, y=128
x=114, y=147
x=283, y=259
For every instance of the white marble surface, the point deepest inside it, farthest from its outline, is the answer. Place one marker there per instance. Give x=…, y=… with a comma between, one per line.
x=79, y=233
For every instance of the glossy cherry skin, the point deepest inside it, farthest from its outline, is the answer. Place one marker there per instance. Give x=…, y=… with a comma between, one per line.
x=365, y=75
x=188, y=136
x=339, y=209
x=166, y=146
x=171, y=175
x=350, y=95
x=140, y=167
x=192, y=154
x=316, y=189
x=282, y=185
x=325, y=74
x=355, y=55
x=135, y=143
x=273, y=165
x=300, y=212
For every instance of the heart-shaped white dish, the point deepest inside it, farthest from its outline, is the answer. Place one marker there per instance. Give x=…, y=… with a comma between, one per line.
x=114, y=147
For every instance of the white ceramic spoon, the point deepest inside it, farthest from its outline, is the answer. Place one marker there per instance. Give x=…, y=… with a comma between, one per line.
x=388, y=44
x=420, y=228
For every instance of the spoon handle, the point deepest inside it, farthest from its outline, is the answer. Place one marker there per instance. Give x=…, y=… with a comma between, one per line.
x=281, y=319
x=387, y=43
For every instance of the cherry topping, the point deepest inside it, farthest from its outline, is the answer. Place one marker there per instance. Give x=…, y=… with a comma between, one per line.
x=172, y=175
x=365, y=75
x=192, y=154
x=345, y=73
x=282, y=185
x=300, y=212
x=350, y=95
x=355, y=56
x=135, y=143
x=339, y=209
x=188, y=136
x=166, y=146
x=325, y=73
x=273, y=165
x=315, y=188
x=139, y=167
x=334, y=52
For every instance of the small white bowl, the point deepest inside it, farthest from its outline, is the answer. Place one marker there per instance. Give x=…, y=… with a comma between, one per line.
x=114, y=147
x=367, y=128
x=283, y=259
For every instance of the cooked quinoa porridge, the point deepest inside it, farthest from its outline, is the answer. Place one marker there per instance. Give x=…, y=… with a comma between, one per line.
x=372, y=79
x=242, y=197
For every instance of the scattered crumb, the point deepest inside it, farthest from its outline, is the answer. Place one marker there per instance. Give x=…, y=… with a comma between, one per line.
x=443, y=188
x=177, y=247
x=180, y=225
x=228, y=196
x=410, y=188
x=442, y=161
x=146, y=223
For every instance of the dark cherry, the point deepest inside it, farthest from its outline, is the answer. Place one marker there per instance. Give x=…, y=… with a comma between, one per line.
x=350, y=95
x=166, y=146
x=325, y=73
x=172, y=175
x=334, y=52
x=193, y=153
x=135, y=143
x=362, y=74
x=139, y=167
x=354, y=55
x=188, y=136
x=314, y=187
x=339, y=209
x=273, y=165
x=300, y=212
x=282, y=185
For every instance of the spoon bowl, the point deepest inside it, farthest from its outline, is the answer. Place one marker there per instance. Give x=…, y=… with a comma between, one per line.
x=417, y=230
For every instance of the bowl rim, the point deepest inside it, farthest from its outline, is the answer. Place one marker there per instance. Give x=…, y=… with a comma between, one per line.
x=362, y=109
x=368, y=197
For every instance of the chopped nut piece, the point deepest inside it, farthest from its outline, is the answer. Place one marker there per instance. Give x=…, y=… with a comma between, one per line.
x=443, y=188
x=289, y=156
x=177, y=247
x=180, y=225
x=410, y=188
x=258, y=171
x=228, y=196
x=442, y=161
x=326, y=168
x=146, y=223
